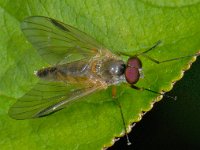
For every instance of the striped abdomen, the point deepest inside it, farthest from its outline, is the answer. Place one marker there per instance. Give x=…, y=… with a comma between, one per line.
x=70, y=72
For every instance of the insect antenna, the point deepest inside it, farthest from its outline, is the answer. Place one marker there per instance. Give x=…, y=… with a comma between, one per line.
x=163, y=94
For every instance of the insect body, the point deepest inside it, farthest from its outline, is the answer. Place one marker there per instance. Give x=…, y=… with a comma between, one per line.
x=107, y=71
x=79, y=66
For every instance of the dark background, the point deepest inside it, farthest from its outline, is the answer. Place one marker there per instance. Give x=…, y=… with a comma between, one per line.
x=171, y=124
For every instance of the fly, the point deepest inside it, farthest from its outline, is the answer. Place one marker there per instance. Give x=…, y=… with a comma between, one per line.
x=79, y=66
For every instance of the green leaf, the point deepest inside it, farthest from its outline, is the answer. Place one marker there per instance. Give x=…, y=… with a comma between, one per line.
x=123, y=26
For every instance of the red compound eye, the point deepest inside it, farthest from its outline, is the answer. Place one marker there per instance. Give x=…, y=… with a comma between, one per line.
x=132, y=73
x=134, y=62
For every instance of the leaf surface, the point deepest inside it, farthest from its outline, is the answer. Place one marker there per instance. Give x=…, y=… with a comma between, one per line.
x=122, y=26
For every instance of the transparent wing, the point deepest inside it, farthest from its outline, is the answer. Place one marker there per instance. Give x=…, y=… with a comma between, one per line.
x=56, y=41
x=46, y=98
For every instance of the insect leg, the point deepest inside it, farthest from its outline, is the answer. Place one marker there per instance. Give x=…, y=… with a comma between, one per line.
x=157, y=61
x=153, y=47
x=144, y=52
x=145, y=89
x=168, y=60
x=115, y=99
x=114, y=91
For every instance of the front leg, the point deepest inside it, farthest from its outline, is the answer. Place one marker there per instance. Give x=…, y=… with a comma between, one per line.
x=115, y=99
